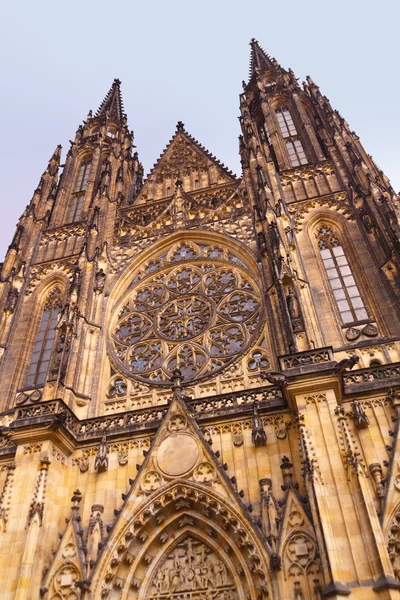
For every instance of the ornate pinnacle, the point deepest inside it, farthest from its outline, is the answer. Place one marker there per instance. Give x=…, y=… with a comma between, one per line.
x=180, y=126
x=76, y=498
x=112, y=106
x=176, y=381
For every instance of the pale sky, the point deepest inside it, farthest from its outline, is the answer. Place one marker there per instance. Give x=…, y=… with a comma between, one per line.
x=183, y=61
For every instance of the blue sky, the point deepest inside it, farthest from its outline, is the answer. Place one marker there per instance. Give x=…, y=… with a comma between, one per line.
x=183, y=61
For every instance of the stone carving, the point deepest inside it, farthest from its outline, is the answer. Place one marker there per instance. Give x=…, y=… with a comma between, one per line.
x=370, y=330
x=204, y=473
x=361, y=420
x=69, y=551
x=294, y=309
x=258, y=360
x=11, y=300
x=151, y=481
x=23, y=397
x=352, y=334
x=123, y=457
x=394, y=542
x=308, y=357
x=101, y=460
x=192, y=570
x=177, y=423
x=370, y=374
x=258, y=435
x=301, y=560
x=396, y=481
x=198, y=317
x=117, y=388
x=83, y=464
x=237, y=437
x=63, y=584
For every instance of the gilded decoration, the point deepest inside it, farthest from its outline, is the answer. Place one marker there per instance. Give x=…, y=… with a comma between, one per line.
x=195, y=308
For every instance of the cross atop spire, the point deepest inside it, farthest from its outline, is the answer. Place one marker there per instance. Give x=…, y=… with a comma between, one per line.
x=259, y=59
x=112, y=106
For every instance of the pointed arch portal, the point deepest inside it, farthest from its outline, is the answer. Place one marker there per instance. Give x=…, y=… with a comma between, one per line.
x=185, y=542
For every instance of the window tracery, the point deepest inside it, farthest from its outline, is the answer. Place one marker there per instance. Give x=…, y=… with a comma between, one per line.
x=76, y=202
x=198, y=316
x=295, y=149
x=44, y=342
x=83, y=176
x=344, y=288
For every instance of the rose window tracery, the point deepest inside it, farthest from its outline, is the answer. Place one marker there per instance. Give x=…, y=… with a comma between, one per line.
x=198, y=316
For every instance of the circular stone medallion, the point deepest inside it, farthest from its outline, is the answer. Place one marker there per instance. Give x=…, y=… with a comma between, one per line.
x=177, y=454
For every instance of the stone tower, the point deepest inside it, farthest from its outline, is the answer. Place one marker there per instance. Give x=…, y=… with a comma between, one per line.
x=205, y=365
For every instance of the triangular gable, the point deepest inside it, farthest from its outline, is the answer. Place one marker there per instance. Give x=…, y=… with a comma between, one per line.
x=179, y=450
x=181, y=504
x=69, y=561
x=182, y=155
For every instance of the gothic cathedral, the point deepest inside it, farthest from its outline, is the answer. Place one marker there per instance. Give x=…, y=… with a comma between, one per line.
x=200, y=373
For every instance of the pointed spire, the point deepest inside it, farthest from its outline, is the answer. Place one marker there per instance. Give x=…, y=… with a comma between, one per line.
x=112, y=105
x=54, y=162
x=259, y=59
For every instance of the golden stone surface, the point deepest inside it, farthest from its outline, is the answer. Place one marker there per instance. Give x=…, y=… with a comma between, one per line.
x=177, y=454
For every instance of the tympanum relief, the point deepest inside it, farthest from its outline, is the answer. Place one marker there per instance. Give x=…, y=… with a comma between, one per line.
x=193, y=571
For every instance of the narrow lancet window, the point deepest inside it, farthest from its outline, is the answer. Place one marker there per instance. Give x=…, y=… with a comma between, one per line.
x=83, y=176
x=344, y=288
x=75, y=208
x=40, y=358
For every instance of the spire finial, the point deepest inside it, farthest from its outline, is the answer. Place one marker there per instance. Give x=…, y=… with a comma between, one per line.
x=112, y=105
x=176, y=381
x=180, y=126
x=259, y=59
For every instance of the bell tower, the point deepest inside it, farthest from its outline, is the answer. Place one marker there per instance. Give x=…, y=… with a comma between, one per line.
x=300, y=160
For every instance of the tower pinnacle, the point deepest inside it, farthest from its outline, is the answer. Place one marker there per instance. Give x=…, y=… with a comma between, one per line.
x=259, y=59
x=112, y=105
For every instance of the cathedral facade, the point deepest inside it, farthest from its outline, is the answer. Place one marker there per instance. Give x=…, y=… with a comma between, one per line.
x=200, y=373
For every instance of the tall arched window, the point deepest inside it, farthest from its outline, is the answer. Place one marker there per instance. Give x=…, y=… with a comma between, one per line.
x=295, y=149
x=76, y=204
x=75, y=208
x=82, y=177
x=40, y=358
x=344, y=288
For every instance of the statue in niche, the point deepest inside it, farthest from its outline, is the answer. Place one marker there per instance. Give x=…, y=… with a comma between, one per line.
x=262, y=243
x=101, y=460
x=11, y=300
x=100, y=279
x=292, y=304
x=294, y=309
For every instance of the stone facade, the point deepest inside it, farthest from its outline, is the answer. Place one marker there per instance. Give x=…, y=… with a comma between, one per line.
x=207, y=366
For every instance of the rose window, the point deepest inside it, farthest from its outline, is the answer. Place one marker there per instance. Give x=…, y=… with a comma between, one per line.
x=199, y=317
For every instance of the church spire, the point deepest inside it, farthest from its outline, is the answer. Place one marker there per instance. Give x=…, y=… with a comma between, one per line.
x=112, y=106
x=259, y=59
